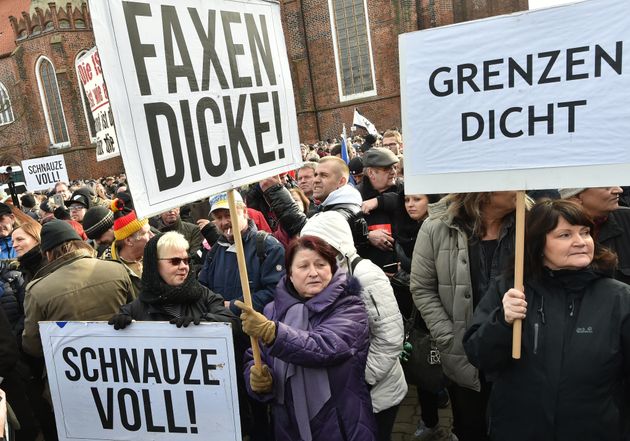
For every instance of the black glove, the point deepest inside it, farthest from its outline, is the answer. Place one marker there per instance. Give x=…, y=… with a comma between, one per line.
x=120, y=321
x=185, y=321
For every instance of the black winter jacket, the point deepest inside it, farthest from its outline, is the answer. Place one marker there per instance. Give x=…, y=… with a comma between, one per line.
x=575, y=356
x=292, y=219
x=390, y=211
x=615, y=235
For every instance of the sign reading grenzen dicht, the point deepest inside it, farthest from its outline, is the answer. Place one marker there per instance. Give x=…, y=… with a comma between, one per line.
x=524, y=101
x=151, y=381
x=43, y=173
x=203, y=99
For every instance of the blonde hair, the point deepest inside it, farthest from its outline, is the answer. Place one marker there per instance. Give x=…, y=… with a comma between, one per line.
x=341, y=168
x=171, y=240
x=393, y=134
x=33, y=229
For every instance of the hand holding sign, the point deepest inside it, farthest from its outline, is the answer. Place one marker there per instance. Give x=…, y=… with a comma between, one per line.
x=256, y=324
x=260, y=379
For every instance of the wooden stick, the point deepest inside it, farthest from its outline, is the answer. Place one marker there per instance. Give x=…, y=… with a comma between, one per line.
x=519, y=261
x=242, y=268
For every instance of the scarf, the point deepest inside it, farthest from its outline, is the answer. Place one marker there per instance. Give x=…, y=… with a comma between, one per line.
x=310, y=388
x=155, y=291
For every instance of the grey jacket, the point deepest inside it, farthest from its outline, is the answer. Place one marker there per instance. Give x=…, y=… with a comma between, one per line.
x=441, y=287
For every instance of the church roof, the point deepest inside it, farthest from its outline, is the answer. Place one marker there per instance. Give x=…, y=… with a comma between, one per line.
x=61, y=4
x=8, y=8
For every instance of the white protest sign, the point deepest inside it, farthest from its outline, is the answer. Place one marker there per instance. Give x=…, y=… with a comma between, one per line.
x=203, y=99
x=89, y=71
x=517, y=102
x=43, y=173
x=150, y=381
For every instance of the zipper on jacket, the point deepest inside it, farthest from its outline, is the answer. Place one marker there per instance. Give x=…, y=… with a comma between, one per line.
x=541, y=310
x=536, y=328
x=375, y=305
x=571, y=307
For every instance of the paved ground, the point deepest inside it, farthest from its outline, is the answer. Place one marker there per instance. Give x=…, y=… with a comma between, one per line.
x=409, y=415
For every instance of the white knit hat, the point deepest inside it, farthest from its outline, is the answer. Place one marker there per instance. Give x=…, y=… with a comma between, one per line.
x=332, y=228
x=566, y=193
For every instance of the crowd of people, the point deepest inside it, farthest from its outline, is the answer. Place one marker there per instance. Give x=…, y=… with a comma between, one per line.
x=341, y=263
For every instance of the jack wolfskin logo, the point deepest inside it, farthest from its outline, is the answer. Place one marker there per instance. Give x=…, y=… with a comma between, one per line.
x=588, y=330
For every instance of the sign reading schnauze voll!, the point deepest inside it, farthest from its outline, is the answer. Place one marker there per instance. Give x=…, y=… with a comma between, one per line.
x=201, y=94
x=531, y=100
x=150, y=381
x=43, y=173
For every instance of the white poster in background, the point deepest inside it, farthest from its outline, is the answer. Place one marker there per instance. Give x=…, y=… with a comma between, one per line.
x=43, y=173
x=150, y=381
x=517, y=102
x=89, y=71
x=205, y=101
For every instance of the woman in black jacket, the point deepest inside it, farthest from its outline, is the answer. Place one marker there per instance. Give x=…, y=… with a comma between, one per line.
x=576, y=336
x=170, y=291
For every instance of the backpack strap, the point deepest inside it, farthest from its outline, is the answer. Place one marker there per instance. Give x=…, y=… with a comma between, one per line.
x=354, y=264
x=261, y=236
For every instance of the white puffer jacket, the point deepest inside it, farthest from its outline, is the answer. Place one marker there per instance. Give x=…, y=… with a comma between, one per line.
x=383, y=370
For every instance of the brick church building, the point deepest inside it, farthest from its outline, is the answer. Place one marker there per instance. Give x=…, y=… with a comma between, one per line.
x=342, y=54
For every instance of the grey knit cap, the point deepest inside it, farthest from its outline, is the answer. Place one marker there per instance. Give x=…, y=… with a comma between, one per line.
x=566, y=193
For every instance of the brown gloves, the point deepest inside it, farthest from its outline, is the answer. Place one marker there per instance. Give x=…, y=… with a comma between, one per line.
x=260, y=379
x=256, y=325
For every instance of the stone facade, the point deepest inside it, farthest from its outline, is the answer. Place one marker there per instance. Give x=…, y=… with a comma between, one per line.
x=60, y=35
x=309, y=39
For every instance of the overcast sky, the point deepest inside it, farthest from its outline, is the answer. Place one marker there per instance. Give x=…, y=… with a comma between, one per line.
x=537, y=4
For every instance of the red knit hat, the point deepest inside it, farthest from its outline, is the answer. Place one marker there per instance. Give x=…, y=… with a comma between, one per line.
x=125, y=221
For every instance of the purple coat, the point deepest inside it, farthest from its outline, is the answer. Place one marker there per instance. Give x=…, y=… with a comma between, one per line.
x=337, y=343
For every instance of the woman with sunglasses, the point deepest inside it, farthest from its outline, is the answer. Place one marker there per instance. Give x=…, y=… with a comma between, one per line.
x=170, y=291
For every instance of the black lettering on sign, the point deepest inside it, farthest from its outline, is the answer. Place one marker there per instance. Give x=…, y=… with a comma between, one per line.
x=228, y=18
x=204, y=104
x=131, y=422
x=174, y=378
x=210, y=57
x=235, y=132
x=191, y=366
x=171, y=28
x=190, y=139
x=106, y=416
x=260, y=127
x=260, y=46
x=152, y=111
x=75, y=375
x=139, y=51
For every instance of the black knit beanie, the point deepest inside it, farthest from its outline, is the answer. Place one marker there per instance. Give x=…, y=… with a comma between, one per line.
x=96, y=221
x=55, y=233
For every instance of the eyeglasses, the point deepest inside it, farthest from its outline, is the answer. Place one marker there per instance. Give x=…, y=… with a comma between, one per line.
x=390, y=145
x=76, y=207
x=387, y=169
x=175, y=261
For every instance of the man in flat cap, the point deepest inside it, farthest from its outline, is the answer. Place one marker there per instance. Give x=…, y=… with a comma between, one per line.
x=382, y=193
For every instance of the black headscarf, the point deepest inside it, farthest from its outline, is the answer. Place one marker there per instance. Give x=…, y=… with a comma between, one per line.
x=155, y=291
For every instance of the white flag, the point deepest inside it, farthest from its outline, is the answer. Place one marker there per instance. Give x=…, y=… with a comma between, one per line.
x=361, y=121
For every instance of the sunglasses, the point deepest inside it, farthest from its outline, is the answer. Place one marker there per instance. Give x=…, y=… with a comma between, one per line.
x=175, y=261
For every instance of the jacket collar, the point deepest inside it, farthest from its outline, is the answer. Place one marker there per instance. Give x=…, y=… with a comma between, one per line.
x=609, y=229
x=62, y=261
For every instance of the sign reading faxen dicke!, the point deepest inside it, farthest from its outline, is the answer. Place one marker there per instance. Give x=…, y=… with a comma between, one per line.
x=203, y=99
x=43, y=173
x=530, y=100
x=150, y=381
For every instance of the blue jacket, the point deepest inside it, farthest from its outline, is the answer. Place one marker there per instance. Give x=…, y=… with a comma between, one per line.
x=220, y=270
x=6, y=248
x=337, y=342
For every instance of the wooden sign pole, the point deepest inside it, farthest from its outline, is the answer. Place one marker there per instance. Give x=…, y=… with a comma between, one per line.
x=242, y=268
x=519, y=261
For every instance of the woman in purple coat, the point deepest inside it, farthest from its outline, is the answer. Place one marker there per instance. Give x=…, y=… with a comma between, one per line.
x=314, y=343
